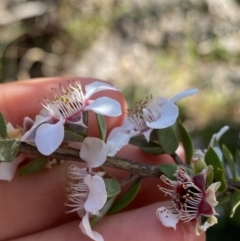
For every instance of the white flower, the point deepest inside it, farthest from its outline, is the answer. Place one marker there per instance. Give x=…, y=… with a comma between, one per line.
x=190, y=200
x=8, y=169
x=86, y=192
x=68, y=106
x=153, y=113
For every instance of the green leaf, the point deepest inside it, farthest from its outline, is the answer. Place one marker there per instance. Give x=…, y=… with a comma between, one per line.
x=152, y=150
x=9, y=148
x=235, y=201
x=103, y=211
x=150, y=147
x=186, y=142
x=72, y=136
x=229, y=159
x=168, y=170
x=78, y=129
x=102, y=126
x=112, y=186
x=3, y=127
x=127, y=197
x=211, y=158
x=33, y=167
x=168, y=140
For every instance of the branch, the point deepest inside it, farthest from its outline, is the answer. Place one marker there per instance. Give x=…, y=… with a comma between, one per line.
x=137, y=168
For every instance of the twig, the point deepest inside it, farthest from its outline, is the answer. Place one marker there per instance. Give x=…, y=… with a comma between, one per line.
x=177, y=159
x=136, y=168
x=130, y=178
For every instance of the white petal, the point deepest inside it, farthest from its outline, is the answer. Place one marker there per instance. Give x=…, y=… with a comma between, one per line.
x=183, y=94
x=218, y=152
x=105, y=106
x=211, y=193
x=97, y=196
x=115, y=141
x=49, y=137
x=96, y=87
x=147, y=134
x=39, y=120
x=93, y=151
x=87, y=230
x=169, y=114
x=8, y=169
x=167, y=218
x=218, y=135
x=10, y=127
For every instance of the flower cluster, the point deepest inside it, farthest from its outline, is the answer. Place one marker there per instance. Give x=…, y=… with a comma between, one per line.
x=87, y=192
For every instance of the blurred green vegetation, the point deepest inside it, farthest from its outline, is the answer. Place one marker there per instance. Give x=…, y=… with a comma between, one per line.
x=144, y=47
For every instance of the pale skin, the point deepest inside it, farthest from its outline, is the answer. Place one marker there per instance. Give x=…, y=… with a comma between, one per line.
x=32, y=207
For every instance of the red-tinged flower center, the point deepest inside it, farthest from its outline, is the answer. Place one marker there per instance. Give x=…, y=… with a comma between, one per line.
x=187, y=200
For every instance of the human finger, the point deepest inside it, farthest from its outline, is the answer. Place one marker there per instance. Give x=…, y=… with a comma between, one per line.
x=139, y=224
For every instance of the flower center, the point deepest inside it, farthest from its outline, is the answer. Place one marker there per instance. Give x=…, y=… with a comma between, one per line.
x=143, y=111
x=77, y=191
x=187, y=200
x=67, y=104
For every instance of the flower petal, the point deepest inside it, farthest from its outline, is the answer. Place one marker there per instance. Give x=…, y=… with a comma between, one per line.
x=93, y=151
x=169, y=114
x=183, y=94
x=105, y=106
x=211, y=193
x=209, y=223
x=49, y=137
x=116, y=140
x=96, y=87
x=97, y=196
x=39, y=120
x=8, y=169
x=87, y=230
x=218, y=135
x=167, y=218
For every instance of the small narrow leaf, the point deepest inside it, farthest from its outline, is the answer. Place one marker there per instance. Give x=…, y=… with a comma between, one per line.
x=229, y=159
x=235, y=201
x=152, y=150
x=34, y=166
x=150, y=147
x=168, y=140
x=102, y=126
x=103, y=211
x=3, y=127
x=186, y=142
x=127, y=197
x=112, y=186
x=211, y=158
x=168, y=170
x=72, y=136
x=9, y=148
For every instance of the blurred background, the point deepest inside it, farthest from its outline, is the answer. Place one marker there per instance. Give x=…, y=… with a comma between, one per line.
x=145, y=47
